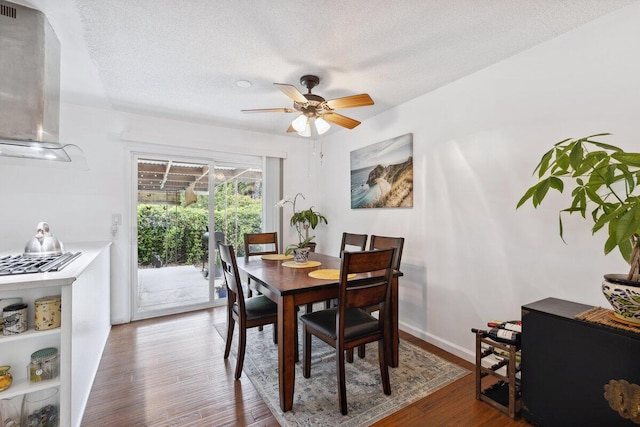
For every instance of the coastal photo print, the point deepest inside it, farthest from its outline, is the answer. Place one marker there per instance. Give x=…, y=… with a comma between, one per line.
x=382, y=174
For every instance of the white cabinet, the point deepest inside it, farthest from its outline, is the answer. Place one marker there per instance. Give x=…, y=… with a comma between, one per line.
x=84, y=287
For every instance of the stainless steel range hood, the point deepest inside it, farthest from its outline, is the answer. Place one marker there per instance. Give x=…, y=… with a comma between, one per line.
x=30, y=86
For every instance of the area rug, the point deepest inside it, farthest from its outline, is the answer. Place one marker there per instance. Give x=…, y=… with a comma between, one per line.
x=315, y=401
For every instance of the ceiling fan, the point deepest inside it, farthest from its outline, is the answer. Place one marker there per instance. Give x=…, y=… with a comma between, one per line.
x=314, y=110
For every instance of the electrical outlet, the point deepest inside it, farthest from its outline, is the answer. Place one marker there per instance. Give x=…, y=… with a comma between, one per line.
x=116, y=219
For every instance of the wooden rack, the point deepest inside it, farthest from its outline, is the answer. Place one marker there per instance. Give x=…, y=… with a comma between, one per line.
x=503, y=389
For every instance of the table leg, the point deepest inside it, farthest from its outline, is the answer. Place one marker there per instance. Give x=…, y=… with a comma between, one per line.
x=286, y=350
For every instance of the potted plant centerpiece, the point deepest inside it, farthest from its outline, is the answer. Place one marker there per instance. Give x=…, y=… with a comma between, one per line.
x=605, y=186
x=302, y=220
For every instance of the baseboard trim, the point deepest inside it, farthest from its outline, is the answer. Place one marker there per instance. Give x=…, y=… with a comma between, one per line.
x=448, y=346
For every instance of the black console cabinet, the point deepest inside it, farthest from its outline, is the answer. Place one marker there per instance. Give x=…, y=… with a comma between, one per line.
x=567, y=362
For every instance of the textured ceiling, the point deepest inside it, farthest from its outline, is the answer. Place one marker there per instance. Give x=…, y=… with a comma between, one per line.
x=181, y=59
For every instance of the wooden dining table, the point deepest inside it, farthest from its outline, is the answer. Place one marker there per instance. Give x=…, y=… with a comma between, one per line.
x=290, y=287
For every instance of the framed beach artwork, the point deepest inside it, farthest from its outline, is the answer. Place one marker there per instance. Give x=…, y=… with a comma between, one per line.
x=382, y=174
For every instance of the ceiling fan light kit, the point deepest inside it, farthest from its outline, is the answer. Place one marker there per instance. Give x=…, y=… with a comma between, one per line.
x=315, y=111
x=300, y=123
x=322, y=126
x=306, y=132
x=304, y=125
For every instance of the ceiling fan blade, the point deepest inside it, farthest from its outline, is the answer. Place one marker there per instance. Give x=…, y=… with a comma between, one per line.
x=340, y=120
x=352, y=101
x=270, y=110
x=291, y=129
x=292, y=92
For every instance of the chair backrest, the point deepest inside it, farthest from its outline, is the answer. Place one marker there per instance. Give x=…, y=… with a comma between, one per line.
x=383, y=242
x=231, y=275
x=256, y=243
x=373, y=288
x=357, y=240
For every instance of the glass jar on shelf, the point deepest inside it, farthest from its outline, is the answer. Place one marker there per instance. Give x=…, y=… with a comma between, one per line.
x=44, y=365
x=41, y=409
x=10, y=411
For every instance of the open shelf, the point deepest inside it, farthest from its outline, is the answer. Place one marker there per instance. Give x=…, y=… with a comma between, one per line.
x=31, y=333
x=23, y=387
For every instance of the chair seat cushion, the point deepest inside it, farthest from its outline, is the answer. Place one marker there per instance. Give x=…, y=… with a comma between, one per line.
x=258, y=307
x=357, y=323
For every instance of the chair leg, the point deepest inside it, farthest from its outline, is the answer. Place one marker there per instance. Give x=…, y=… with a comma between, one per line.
x=384, y=367
x=342, y=386
x=242, y=344
x=306, y=354
x=275, y=333
x=350, y=355
x=230, y=324
x=361, y=351
x=296, y=342
x=296, y=338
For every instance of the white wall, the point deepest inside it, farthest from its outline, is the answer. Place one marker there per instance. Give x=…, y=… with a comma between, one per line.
x=469, y=255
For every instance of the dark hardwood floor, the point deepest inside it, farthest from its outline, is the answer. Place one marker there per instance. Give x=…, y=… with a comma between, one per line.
x=170, y=371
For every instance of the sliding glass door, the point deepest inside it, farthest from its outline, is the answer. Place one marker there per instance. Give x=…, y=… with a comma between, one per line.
x=184, y=206
x=238, y=205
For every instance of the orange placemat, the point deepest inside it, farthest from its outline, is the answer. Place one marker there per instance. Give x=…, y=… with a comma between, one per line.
x=293, y=264
x=276, y=257
x=328, y=274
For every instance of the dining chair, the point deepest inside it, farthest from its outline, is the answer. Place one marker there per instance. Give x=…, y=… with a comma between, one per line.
x=357, y=241
x=259, y=244
x=349, y=240
x=382, y=242
x=348, y=326
x=247, y=313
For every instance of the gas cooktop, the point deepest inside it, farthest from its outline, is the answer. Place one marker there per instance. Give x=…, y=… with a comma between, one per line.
x=20, y=264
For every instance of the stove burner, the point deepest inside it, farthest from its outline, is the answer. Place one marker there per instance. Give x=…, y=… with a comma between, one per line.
x=20, y=264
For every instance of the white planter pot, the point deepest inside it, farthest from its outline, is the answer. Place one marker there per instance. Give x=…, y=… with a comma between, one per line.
x=301, y=255
x=624, y=297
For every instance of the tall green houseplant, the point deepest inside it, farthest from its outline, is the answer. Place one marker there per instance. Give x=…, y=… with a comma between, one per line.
x=302, y=220
x=604, y=182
